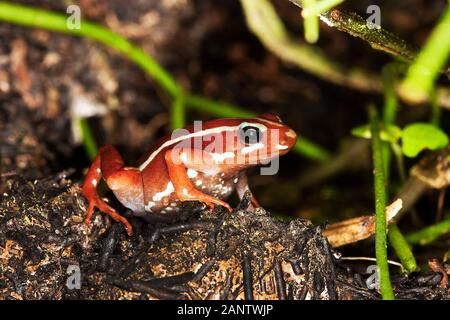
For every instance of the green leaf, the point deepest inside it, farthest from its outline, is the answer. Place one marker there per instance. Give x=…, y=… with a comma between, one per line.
x=420, y=136
x=390, y=133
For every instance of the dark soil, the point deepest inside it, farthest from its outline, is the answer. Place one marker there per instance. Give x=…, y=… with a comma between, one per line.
x=209, y=256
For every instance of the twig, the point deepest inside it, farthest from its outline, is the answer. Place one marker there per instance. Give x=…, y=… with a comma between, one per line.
x=394, y=263
x=247, y=276
x=356, y=26
x=279, y=281
x=360, y=228
x=384, y=40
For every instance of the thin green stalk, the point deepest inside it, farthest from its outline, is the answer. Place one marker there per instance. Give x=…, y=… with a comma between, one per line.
x=397, y=150
x=311, y=23
x=436, y=111
x=380, y=208
x=320, y=7
x=432, y=58
x=402, y=249
x=89, y=144
x=390, y=107
x=396, y=238
x=429, y=234
x=178, y=114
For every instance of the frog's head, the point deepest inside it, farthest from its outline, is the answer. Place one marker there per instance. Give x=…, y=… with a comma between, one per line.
x=241, y=142
x=263, y=138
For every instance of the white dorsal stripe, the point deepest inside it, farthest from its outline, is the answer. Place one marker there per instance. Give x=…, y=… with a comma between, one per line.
x=181, y=138
x=271, y=122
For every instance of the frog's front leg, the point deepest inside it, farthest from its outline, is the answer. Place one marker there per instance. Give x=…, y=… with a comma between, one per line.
x=177, y=161
x=125, y=182
x=242, y=187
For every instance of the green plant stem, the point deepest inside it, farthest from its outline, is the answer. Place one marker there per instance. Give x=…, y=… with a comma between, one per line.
x=390, y=108
x=423, y=72
x=402, y=249
x=38, y=18
x=396, y=238
x=311, y=23
x=178, y=118
x=320, y=7
x=429, y=234
x=380, y=208
x=89, y=144
x=397, y=150
x=436, y=112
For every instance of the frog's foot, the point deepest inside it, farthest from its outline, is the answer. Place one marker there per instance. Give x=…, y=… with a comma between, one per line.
x=95, y=201
x=195, y=195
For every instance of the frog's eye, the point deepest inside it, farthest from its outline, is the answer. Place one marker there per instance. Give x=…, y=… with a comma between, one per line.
x=249, y=134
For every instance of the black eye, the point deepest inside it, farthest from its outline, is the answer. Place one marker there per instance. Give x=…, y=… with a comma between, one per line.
x=250, y=135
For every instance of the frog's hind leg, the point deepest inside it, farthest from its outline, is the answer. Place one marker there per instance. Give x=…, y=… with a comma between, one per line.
x=126, y=183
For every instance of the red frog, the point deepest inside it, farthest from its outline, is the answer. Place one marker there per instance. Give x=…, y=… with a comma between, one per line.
x=205, y=164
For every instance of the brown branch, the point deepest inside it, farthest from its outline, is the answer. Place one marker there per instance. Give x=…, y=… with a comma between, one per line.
x=432, y=172
x=379, y=39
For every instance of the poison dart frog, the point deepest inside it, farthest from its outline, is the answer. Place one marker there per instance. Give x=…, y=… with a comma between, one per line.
x=203, y=163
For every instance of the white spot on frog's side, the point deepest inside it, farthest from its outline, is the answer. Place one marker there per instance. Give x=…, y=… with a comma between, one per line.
x=192, y=173
x=211, y=171
x=253, y=147
x=98, y=170
x=185, y=191
x=94, y=182
x=235, y=180
x=281, y=147
x=198, y=182
x=183, y=157
x=220, y=157
x=222, y=174
x=169, y=189
x=149, y=206
x=169, y=209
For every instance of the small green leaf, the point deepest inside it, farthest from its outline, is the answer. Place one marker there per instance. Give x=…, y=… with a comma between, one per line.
x=391, y=133
x=420, y=136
